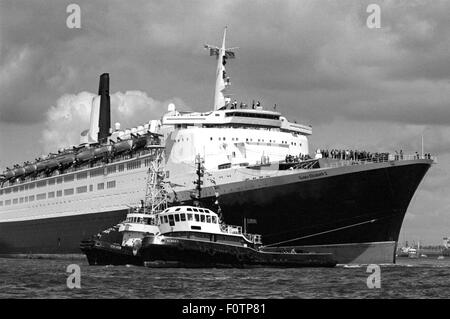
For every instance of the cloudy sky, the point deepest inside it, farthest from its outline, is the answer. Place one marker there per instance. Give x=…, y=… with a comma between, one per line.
x=374, y=89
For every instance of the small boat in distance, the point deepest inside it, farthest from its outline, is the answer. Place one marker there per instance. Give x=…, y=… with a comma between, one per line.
x=194, y=237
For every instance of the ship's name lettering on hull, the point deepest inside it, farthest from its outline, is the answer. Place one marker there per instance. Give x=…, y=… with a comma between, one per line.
x=315, y=175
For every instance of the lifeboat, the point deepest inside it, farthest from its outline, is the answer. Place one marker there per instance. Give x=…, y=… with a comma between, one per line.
x=9, y=174
x=102, y=151
x=123, y=146
x=65, y=159
x=18, y=172
x=140, y=143
x=31, y=168
x=85, y=155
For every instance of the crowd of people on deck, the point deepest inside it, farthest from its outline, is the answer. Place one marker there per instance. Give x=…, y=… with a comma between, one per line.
x=297, y=158
x=354, y=155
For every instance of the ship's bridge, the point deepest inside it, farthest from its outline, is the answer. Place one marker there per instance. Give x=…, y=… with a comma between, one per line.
x=237, y=117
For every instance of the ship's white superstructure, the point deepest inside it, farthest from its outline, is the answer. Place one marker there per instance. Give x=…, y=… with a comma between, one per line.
x=95, y=178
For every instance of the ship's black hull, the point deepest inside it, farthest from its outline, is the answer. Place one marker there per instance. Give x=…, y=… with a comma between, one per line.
x=356, y=214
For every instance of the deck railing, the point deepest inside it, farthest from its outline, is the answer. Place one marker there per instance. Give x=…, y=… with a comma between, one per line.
x=383, y=159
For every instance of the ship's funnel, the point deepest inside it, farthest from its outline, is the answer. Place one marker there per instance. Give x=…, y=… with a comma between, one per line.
x=104, y=121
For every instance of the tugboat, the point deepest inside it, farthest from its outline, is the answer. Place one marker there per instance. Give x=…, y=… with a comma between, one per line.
x=120, y=244
x=194, y=237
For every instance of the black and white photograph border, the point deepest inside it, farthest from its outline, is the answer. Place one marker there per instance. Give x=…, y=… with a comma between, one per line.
x=288, y=149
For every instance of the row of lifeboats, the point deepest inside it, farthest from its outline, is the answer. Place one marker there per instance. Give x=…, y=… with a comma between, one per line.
x=76, y=156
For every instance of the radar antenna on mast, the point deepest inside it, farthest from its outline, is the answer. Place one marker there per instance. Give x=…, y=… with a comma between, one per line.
x=222, y=80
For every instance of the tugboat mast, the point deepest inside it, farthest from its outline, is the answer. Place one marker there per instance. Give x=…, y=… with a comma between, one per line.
x=156, y=195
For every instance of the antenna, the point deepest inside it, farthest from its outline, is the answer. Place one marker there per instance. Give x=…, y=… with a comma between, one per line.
x=222, y=80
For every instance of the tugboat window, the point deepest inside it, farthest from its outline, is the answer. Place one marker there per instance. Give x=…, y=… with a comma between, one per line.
x=165, y=219
x=197, y=217
x=208, y=219
x=177, y=217
x=202, y=218
x=195, y=209
x=189, y=216
x=171, y=221
x=183, y=217
x=214, y=220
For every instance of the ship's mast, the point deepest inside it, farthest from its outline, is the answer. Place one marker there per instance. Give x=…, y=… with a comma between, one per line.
x=222, y=80
x=156, y=195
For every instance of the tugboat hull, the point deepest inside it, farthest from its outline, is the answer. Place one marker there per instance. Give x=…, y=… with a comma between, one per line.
x=180, y=252
x=100, y=253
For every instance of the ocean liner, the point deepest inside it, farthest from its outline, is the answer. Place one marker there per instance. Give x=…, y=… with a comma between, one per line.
x=351, y=207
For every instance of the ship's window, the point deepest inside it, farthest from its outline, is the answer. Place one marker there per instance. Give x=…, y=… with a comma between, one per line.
x=197, y=217
x=81, y=189
x=202, y=218
x=58, y=193
x=189, y=217
x=166, y=220
x=178, y=209
x=68, y=192
x=100, y=186
x=111, y=184
x=121, y=168
x=51, y=181
x=189, y=209
x=134, y=165
x=41, y=196
x=97, y=172
x=59, y=180
x=15, y=189
x=183, y=217
x=208, y=219
x=31, y=198
x=15, y=201
x=111, y=169
x=214, y=219
x=177, y=217
x=69, y=178
x=51, y=195
x=195, y=209
x=82, y=175
x=8, y=202
x=41, y=184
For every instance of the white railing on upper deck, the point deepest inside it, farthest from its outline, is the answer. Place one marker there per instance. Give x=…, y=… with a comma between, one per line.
x=380, y=159
x=237, y=230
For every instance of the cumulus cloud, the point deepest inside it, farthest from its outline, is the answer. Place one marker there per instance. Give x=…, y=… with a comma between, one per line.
x=71, y=114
